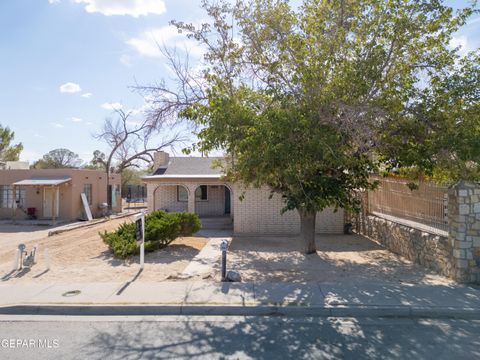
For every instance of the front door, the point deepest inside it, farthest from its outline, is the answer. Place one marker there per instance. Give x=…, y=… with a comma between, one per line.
x=49, y=202
x=227, y=200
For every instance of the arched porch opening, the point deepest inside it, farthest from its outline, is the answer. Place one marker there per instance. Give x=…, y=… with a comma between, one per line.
x=171, y=198
x=214, y=205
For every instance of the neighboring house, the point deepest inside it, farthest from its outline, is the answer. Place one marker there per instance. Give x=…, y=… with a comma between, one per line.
x=193, y=184
x=14, y=165
x=55, y=193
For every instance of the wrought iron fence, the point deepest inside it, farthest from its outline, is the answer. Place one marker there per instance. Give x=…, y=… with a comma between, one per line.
x=425, y=206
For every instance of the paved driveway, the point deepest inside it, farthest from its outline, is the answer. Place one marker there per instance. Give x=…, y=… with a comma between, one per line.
x=12, y=235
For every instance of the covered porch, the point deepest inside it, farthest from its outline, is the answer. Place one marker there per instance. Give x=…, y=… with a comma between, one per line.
x=211, y=201
x=39, y=199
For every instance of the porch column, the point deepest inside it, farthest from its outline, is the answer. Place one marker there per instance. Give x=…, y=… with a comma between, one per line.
x=14, y=205
x=191, y=197
x=151, y=187
x=54, y=193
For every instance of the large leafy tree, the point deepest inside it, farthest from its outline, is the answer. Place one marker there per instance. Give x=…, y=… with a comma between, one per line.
x=8, y=151
x=307, y=101
x=58, y=159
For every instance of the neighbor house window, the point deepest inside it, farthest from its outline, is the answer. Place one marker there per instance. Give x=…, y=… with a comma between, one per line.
x=201, y=193
x=7, y=200
x=182, y=194
x=87, y=189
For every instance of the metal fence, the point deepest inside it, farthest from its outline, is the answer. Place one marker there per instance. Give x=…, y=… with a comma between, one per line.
x=425, y=206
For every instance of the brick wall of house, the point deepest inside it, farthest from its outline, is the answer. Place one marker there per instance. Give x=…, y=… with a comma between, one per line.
x=257, y=214
x=166, y=199
x=215, y=205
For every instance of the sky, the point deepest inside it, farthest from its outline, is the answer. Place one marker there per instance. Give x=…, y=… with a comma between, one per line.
x=65, y=64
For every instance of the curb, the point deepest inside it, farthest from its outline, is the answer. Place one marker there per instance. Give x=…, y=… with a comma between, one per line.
x=239, y=310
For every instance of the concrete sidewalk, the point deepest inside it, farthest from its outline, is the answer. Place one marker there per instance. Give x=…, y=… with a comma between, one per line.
x=208, y=298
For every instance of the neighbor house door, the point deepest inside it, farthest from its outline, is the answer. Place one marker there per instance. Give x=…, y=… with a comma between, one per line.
x=47, y=202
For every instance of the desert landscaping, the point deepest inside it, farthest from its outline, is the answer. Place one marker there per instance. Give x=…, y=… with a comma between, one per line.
x=81, y=256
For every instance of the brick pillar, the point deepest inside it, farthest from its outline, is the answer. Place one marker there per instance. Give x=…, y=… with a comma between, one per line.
x=150, y=196
x=464, y=230
x=191, y=197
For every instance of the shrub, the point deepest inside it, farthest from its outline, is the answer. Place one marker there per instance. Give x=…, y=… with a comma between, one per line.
x=189, y=223
x=122, y=247
x=161, y=228
x=164, y=229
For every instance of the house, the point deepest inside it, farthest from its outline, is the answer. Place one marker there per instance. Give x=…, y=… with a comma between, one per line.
x=55, y=193
x=193, y=184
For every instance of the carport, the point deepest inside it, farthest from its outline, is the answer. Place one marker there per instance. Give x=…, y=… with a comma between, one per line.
x=50, y=188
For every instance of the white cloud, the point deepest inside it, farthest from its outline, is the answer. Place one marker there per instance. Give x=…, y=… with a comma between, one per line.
x=133, y=8
x=57, y=125
x=76, y=119
x=70, y=87
x=53, y=1
x=89, y=123
x=29, y=155
x=86, y=95
x=460, y=42
x=112, y=106
x=473, y=21
x=147, y=44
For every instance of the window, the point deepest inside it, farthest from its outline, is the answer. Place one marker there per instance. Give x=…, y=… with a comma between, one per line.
x=87, y=189
x=201, y=194
x=6, y=196
x=182, y=194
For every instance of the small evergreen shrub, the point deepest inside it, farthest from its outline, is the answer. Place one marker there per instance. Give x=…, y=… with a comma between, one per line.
x=189, y=223
x=161, y=228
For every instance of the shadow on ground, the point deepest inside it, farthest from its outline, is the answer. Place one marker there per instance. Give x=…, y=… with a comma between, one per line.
x=271, y=338
x=339, y=258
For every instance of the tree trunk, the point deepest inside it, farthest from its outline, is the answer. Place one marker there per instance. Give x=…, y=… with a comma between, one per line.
x=307, y=230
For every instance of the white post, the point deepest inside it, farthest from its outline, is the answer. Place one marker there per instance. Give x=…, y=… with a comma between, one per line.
x=47, y=260
x=142, y=246
x=16, y=259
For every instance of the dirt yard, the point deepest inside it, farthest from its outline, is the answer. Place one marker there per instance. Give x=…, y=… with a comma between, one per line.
x=340, y=258
x=81, y=256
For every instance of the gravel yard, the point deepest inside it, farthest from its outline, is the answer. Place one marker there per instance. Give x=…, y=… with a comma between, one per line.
x=81, y=256
x=339, y=258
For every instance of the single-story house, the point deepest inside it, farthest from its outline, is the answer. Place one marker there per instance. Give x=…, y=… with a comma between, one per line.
x=55, y=193
x=193, y=184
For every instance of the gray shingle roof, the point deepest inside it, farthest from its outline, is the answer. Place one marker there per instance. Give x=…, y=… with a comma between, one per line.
x=189, y=166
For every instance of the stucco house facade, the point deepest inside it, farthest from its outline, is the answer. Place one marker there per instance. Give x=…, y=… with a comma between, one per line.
x=193, y=184
x=55, y=193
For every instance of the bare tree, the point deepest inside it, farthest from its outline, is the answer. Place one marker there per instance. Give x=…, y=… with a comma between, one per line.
x=131, y=143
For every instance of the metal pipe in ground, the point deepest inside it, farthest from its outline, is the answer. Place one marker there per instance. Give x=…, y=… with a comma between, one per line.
x=223, y=248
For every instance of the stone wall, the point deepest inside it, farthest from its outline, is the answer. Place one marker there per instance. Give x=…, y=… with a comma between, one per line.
x=455, y=254
x=433, y=251
x=464, y=230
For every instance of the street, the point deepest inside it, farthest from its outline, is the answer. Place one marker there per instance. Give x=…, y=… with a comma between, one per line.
x=177, y=337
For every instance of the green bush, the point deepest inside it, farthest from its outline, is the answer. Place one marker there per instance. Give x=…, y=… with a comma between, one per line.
x=161, y=228
x=164, y=230
x=122, y=247
x=189, y=223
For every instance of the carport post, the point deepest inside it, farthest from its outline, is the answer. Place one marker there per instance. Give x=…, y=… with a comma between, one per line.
x=53, y=204
x=14, y=204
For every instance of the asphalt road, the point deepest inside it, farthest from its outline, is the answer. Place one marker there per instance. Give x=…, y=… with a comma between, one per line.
x=236, y=338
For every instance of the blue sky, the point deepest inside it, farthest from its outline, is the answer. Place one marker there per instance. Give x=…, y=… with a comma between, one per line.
x=63, y=63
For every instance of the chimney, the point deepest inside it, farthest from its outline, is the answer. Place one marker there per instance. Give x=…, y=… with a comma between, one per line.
x=160, y=158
